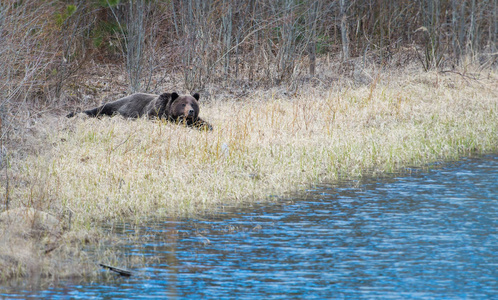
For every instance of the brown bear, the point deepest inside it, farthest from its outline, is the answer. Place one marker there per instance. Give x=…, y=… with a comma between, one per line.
x=172, y=107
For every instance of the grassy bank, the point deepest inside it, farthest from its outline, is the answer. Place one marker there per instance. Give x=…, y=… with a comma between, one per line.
x=112, y=169
x=106, y=168
x=109, y=168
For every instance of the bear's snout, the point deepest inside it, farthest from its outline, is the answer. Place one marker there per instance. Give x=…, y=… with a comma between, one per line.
x=191, y=112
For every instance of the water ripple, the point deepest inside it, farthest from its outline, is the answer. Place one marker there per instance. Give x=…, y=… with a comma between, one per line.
x=431, y=234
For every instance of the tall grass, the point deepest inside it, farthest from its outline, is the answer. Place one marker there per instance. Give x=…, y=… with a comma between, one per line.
x=112, y=168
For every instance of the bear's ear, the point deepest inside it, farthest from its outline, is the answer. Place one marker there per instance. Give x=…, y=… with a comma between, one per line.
x=196, y=96
x=174, y=96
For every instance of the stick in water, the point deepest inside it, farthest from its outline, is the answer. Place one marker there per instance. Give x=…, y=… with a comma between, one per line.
x=120, y=271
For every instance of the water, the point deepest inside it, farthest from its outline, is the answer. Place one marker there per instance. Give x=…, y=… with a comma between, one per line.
x=431, y=234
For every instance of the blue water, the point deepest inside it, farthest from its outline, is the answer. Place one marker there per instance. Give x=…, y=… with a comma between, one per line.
x=426, y=235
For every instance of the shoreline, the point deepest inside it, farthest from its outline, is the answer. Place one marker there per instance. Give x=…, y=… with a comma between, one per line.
x=89, y=170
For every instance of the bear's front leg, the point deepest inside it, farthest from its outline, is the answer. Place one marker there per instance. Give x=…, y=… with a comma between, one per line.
x=202, y=125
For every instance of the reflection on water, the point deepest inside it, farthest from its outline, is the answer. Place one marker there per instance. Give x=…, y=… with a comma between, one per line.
x=430, y=234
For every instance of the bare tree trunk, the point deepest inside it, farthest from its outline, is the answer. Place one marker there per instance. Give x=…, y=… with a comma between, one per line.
x=495, y=25
x=471, y=35
x=175, y=22
x=190, y=30
x=312, y=17
x=344, y=30
x=461, y=28
x=135, y=38
x=227, y=35
x=285, y=56
x=454, y=25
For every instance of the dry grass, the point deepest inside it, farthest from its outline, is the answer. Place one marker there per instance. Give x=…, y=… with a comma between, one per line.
x=101, y=169
x=112, y=169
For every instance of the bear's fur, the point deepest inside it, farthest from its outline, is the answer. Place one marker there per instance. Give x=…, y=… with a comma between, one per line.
x=172, y=107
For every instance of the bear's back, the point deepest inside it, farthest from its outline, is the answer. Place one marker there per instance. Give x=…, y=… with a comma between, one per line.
x=134, y=105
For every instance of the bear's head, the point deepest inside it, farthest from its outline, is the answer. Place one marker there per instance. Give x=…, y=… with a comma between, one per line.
x=184, y=107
